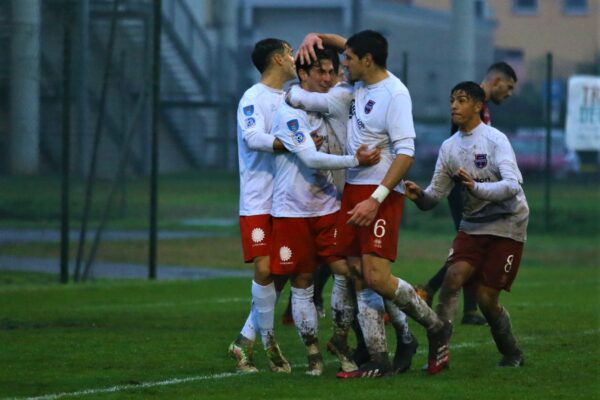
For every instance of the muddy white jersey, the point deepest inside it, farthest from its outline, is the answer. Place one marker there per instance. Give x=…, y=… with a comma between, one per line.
x=300, y=191
x=497, y=204
x=255, y=150
x=380, y=116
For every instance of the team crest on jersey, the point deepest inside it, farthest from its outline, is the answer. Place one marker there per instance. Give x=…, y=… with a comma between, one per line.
x=481, y=160
x=249, y=110
x=293, y=125
x=369, y=106
x=250, y=122
x=299, y=137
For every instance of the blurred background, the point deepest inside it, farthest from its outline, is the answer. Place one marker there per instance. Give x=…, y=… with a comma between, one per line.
x=78, y=110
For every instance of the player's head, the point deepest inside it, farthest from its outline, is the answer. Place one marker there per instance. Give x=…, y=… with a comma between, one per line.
x=319, y=75
x=499, y=82
x=466, y=101
x=274, y=54
x=365, y=51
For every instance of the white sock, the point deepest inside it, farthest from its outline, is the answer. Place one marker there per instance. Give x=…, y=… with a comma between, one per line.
x=305, y=314
x=263, y=298
x=370, y=318
x=248, y=330
x=342, y=305
x=415, y=307
x=399, y=321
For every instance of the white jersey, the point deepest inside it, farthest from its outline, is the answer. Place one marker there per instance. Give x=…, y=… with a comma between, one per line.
x=254, y=121
x=379, y=115
x=300, y=191
x=497, y=205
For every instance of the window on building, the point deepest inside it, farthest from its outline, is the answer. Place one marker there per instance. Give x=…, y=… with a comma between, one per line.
x=575, y=7
x=525, y=7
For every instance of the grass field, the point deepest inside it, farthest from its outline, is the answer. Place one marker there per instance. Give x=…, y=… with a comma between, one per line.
x=140, y=339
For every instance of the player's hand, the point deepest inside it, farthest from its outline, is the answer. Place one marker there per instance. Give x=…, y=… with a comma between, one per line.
x=363, y=214
x=306, y=51
x=367, y=157
x=318, y=139
x=466, y=178
x=413, y=191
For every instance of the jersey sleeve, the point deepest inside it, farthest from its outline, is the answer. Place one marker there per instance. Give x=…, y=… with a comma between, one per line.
x=400, y=124
x=441, y=183
x=251, y=123
x=335, y=102
x=293, y=130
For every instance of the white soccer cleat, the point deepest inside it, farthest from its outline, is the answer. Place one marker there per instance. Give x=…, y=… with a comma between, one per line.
x=243, y=356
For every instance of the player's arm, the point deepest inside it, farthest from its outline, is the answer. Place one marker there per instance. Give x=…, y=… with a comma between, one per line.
x=252, y=125
x=318, y=160
x=440, y=186
x=306, y=51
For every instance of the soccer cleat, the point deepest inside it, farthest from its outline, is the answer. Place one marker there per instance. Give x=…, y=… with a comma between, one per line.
x=439, y=352
x=243, y=356
x=277, y=361
x=472, y=318
x=425, y=293
x=371, y=369
x=512, y=361
x=315, y=365
x=404, y=355
x=343, y=353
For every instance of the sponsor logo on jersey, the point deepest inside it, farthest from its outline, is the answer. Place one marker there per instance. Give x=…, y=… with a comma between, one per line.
x=299, y=137
x=293, y=125
x=249, y=110
x=359, y=122
x=481, y=160
x=250, y=122
x=369, y=106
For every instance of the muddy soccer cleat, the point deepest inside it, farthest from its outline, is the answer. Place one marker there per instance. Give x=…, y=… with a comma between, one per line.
x=243, y=356
x=315, y=365
x=404, y=355
x=439, y=351
x=343, y=353
x=512, y=361
x=277, y=361
x=473, y=318
x=371, y=369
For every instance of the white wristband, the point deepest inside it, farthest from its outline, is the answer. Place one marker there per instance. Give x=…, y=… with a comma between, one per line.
x=380, y=193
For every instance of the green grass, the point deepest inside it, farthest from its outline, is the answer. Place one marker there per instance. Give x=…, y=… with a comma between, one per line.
x=95, y=336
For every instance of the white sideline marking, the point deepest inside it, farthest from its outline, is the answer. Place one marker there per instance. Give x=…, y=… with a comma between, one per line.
x=176, y=381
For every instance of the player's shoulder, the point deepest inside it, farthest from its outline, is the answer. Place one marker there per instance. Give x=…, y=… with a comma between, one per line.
x=394, y=85
x=288, y=117
x=258, y=94
x=493, y=134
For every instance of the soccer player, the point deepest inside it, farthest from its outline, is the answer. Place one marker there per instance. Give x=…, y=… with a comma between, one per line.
x=305, y=205
x=498, y=84
x=372, y=201
x=274, y=60
x=487, y=249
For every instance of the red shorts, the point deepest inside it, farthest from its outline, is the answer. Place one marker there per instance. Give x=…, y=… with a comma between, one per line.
x=496, y=259
x=379, y=238
x=256, y=235
x=298, y=243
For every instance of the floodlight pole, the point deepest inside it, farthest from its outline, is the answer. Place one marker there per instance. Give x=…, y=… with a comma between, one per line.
x=154, y=157
x=66, y=145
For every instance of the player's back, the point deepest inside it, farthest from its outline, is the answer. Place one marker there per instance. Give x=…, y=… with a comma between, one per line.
x=255, y=115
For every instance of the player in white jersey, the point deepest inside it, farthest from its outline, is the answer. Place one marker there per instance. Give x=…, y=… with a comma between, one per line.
x=305, y=205
x=381, y=116
x=273, y=59
x=487, y=250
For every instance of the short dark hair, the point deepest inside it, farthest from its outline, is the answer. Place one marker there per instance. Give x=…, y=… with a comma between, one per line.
x=471, y=89
x=502, y=68
x=371, y=42
x=327, y=53
x=263, y=49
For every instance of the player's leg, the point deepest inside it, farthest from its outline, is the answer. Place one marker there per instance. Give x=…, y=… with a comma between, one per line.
x=471, y=315
x=306, y=320
x=322, y=274
x=406, y=342
x=500, y=327
x=343, y=307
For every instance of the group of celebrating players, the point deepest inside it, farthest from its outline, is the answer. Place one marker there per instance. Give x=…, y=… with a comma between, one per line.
x=296, y=212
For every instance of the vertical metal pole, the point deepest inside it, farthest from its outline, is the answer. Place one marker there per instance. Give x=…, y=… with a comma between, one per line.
x=548, y=175
x=66, y=145
x=155, y=115
x=405, y=68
